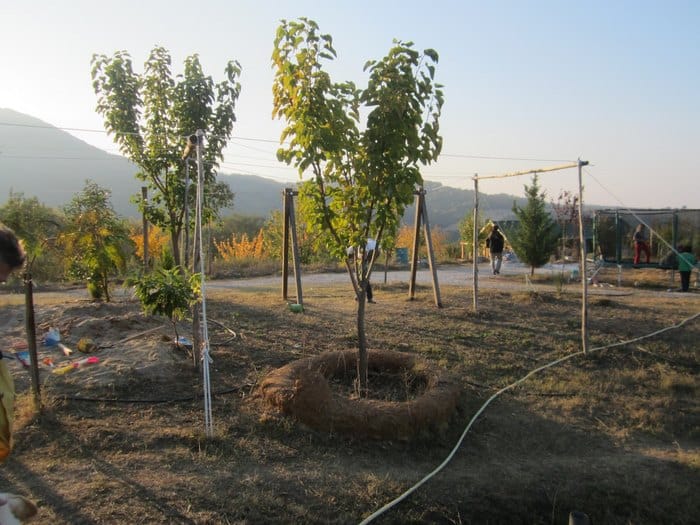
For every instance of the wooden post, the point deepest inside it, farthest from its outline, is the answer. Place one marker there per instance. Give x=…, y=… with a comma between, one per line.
x=429, y=244
x=186, y=241
x=584, y=277
x=475, y=245
x=30, y=327
x=295, y=247
x=144, y=197
x=414, y=254
x=286, y=197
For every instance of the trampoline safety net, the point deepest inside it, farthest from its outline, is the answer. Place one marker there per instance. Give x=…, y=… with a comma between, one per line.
x=668, y=228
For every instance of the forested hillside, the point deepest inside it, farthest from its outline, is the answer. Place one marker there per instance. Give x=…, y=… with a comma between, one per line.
x=42, y=161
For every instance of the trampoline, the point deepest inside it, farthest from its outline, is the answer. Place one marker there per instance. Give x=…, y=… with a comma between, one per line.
x=668, y=229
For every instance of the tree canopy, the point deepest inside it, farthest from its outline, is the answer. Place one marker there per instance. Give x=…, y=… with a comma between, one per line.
x=149, y=116
x=95, y=239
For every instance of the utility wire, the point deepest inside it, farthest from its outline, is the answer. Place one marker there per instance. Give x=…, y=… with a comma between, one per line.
x=272, y=141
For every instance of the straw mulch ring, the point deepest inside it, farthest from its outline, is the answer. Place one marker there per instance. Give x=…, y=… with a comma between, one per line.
x=407, y=396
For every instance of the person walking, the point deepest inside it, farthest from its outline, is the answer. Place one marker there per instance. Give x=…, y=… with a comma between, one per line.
x=495, y=242
x=686, y=263
x=641, y=243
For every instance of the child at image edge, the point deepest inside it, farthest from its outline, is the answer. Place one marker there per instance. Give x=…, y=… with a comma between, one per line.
x=686, y=263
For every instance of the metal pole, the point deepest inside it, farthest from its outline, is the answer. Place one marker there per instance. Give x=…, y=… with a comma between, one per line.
x=584, y=278
x=475, y=244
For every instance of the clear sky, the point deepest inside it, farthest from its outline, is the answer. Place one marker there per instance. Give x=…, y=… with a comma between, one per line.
x=528, y=84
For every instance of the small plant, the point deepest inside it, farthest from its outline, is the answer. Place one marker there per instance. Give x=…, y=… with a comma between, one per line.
x=168, y=292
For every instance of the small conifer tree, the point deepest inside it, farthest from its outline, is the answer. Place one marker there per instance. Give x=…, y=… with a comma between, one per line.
x=535, y=238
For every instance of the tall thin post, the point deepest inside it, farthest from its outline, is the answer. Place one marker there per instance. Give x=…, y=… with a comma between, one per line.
x=30, y=327
x=186, y=242
x=429, y=245
x=416, y=244
x=206, y=382
x=674, y=242
x=144, y=197
x=475, y=244
x=296, y=258
x=286, y=198
x=584, y=277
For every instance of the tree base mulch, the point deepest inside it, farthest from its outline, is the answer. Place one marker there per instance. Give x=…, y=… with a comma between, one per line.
x=302, y=389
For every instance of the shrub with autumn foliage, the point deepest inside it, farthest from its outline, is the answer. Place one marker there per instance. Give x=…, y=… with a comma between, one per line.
x=241, y=247
x=158, y=240
x=404, y=239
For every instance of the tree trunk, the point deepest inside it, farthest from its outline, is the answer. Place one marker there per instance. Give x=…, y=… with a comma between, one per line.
x=362, y=363
x=105, y=287
x=175, y=243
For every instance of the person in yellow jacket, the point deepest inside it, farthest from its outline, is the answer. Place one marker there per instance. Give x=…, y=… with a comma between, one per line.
x=12, y=257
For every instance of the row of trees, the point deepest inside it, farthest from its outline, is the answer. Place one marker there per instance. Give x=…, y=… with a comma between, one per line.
x=363, y=148
x=87, y=241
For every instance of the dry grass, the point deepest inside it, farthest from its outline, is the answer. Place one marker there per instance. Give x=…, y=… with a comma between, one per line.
x=615, y=434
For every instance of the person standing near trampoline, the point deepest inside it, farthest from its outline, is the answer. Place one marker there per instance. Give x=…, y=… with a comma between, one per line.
x=641, y=244
x=686, y=263
x=495, y=242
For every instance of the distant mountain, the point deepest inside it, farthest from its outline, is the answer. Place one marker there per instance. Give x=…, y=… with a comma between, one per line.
x=42, y=161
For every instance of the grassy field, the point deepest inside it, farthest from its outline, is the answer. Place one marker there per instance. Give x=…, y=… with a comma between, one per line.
x=615, y=434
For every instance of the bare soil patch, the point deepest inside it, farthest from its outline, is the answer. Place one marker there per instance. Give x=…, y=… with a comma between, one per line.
x=615, y=434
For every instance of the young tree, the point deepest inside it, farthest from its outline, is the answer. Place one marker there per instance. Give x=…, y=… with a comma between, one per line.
x=466, y=232
x=37, y=226
x=566, y=211
x=363, y=177
x=149, y=116
x=535, y=238
x=95, y=240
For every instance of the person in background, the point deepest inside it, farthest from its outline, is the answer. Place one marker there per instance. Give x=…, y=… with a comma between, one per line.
x=495, y=242
x=12, y=257
x=641, y=243
x=686, y=263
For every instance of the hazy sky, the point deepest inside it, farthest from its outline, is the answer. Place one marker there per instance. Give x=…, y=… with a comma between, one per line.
x=528, y=84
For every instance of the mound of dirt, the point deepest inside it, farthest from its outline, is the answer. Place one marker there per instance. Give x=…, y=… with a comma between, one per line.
x=136, y=354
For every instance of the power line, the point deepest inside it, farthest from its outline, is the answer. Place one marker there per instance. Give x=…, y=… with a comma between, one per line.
x=487, y=157
x=272, y=141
